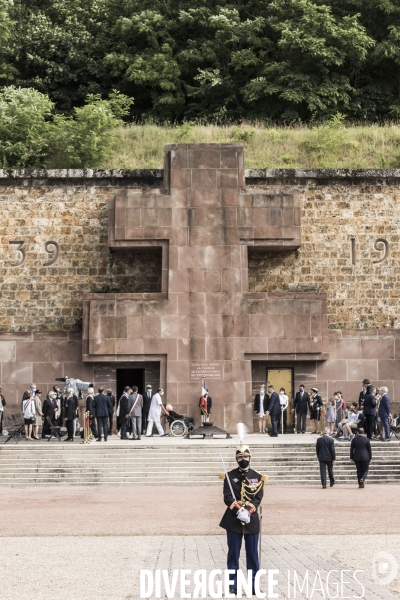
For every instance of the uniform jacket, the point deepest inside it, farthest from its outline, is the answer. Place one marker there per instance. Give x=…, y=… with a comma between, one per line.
x=257, y=400
x=101, y=405
x=301, y=404
x=137, y=412
x=325, y=449
x=89, y=405
x=369, y=405
x=360, y=448
x=274, y=404
x=254, y=488
x=209, y=404
x=384, y=407
x=71, y=406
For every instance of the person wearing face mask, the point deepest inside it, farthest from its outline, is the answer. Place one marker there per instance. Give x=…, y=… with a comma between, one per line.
x=260, y=408
x=241, y=518
x=301, y=405
x=31, y=392
x=156, y=408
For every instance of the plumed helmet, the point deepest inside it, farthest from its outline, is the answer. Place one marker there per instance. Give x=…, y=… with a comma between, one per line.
x=243, y=451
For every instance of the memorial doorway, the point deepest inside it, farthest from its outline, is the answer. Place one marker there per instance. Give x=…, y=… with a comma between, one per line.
x=283, y=378
x=130, y=377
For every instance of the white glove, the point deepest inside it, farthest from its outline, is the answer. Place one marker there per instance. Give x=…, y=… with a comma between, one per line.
x=243, y=515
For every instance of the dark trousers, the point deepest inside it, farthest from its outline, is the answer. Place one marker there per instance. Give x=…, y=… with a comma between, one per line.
x=1, y=422
x=234, y=546
x=124, y=425
x=92, y=423
x=69, y=423
x=274, y=419
x=370, y=424
x=110, y=423
x=322, y=467
x=145, y=418
x=301, y=421
x=46, y=426
x=362, y=467
x=385, y=427
x=102, y=425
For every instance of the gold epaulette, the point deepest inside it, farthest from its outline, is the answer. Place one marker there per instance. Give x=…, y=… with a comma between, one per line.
x=222, y=475
x=264, y=478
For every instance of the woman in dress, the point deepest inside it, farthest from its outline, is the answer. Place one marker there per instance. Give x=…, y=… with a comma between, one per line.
x=330, y=415
x=38, y=414
x=28, y=408
x=315, y=409
x=260, y=407
x=339, y=409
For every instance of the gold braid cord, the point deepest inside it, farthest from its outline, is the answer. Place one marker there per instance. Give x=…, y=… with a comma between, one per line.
x=249, y=491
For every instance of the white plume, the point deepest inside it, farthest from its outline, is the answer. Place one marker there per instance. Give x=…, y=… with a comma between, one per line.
x=241, y=431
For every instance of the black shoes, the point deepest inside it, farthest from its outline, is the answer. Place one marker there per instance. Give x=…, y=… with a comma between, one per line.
x=233, y=590
x=361, y=484
x=333, y=483
x=324, y=487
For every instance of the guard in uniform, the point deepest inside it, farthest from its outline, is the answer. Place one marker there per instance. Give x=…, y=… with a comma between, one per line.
x=241, y=518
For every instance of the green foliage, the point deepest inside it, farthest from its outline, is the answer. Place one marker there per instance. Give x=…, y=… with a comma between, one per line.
x=24, y=127
x=86, y=139
x=214, y=61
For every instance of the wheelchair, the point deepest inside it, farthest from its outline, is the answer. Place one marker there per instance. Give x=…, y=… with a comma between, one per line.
x=180, y=427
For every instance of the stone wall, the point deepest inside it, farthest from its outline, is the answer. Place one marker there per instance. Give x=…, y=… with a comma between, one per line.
x=74, y=214
x=71, y=209
x=363, y=290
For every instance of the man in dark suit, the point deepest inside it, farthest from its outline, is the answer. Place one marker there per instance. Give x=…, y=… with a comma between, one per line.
x=49, y=409
x=326, y=455
x=363, y=393
x=274, y=410
x=370, y=410
x=146, y=407
x=111, y=415
x=361, y=455
x=125, y=406
x=301, y=405
x=384, y=412
x=102, y=405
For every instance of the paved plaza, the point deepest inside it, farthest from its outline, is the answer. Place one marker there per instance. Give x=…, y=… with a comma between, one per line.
x=90, y=543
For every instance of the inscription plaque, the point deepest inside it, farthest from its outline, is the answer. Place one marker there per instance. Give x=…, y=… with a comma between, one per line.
x=207, y=370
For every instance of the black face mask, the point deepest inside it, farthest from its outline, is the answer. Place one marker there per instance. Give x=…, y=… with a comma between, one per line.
x=243, y=464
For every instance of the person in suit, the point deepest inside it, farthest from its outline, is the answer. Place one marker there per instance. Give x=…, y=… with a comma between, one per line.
x=111, y=415
x=384, y=412
x=146, y=407
x=363, y=393
x=274, y=410
x=91, y=411
x=124, y=409
x=370, y=410
x=301, y=405
x=135, y=413
x=71, y=409
x=326, y=455
x=38, y=414
x=102, y=405
x=361, y=456
x=2, y=405
x=260, y=407
x=49, y=409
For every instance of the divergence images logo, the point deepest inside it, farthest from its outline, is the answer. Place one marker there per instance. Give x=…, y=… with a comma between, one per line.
x=384, y=568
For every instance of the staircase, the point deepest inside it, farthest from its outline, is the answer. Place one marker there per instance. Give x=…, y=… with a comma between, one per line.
x=180, y=464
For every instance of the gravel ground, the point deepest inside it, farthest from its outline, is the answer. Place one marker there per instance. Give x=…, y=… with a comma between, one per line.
x=179, y=510
x=359, y=552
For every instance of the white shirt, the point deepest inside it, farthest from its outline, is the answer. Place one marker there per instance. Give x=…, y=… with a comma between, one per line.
x=28, y=406
x=283, y=399
x=155, y=408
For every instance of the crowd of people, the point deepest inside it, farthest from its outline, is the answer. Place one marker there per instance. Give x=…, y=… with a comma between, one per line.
x=371, y=412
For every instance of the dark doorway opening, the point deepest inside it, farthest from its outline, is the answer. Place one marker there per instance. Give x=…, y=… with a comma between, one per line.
x=129, y=377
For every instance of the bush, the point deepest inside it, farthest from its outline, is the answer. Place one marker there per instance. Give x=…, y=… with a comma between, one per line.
x=24, y=127
x=85, y=140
